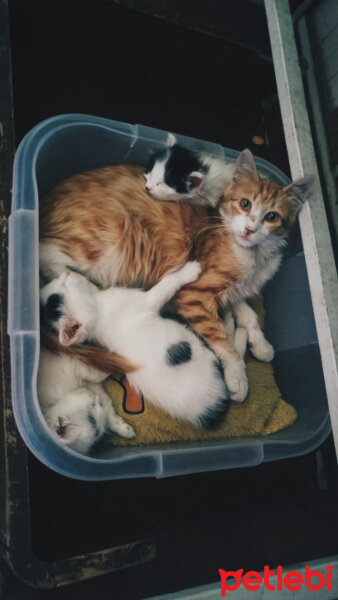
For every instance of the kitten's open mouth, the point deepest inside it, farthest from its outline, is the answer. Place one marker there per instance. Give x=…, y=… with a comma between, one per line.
x=245, y=240
x=244, y=236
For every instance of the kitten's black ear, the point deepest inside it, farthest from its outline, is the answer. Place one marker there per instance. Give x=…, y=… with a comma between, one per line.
x=245, y=166
x=171, y=140
x=71, y=332
x=195, y=180
x=301, y=188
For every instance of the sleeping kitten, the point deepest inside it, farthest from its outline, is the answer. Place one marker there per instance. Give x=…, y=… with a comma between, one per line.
x=176, y=173
x=104, y=224
x=177, y=371
x=74, y=403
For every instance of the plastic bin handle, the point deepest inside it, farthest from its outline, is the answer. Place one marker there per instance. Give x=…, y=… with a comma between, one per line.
x=23, y=272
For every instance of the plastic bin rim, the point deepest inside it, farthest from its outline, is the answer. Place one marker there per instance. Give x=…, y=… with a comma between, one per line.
x=56, y=122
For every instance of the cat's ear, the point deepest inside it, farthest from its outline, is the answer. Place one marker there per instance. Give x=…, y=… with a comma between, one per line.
x=171, y=140
x=301, y=187
x=71, y=332
x=195, y=180
x=245, y=166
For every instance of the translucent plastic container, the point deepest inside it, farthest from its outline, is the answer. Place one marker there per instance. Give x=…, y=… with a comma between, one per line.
x=70, y=144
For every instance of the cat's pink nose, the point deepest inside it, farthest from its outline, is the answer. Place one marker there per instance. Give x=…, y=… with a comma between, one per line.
x=148, y=188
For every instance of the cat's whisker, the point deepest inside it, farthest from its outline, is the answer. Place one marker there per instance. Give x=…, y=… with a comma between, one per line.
x=219, y=227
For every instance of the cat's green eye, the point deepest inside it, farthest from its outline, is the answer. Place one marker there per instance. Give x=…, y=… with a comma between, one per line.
x=271, y=217
x=245, y=204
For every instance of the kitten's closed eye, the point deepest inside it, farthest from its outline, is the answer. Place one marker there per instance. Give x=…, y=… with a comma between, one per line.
x=63, y=423
x=194, y=180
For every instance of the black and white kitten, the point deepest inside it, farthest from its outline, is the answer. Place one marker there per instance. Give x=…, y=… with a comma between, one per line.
x=177, y=370
x=176, y=173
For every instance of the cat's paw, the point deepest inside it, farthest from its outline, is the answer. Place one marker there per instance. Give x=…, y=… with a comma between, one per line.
x=128, y=432
x=191, y=270
x=236, y=380
x=119, y=426
x=263, y=351
x=240, y=340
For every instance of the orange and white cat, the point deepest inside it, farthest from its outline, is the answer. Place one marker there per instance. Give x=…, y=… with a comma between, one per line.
x=104, y=224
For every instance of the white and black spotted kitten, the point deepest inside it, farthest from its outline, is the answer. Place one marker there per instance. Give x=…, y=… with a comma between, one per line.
x=177, y=370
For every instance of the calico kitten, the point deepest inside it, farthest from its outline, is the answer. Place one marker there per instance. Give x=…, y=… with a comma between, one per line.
x=177, y=371
x=104, y=224
x=176, y=173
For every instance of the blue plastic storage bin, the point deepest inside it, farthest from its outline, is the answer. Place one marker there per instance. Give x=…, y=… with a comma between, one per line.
x=70, y=144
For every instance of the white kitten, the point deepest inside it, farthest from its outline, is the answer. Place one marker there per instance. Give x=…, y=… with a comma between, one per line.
x=177, y=372
x=74, y=403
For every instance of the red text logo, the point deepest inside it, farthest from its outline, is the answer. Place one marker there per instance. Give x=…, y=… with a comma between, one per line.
x=290, y=580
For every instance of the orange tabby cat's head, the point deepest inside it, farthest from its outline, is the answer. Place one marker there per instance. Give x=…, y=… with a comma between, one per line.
x=255, y=209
